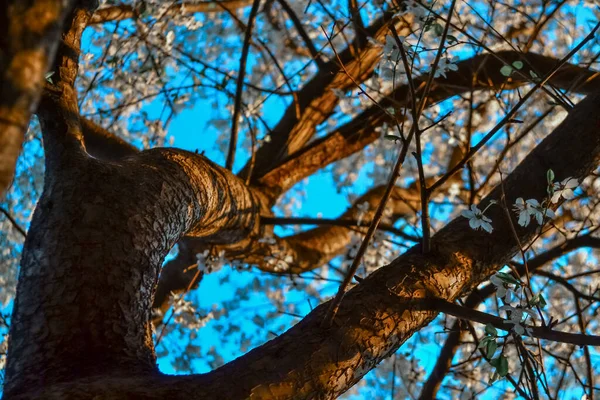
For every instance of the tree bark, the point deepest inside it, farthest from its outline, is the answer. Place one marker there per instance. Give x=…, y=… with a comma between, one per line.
x=81, y=323
x=481, y=72
x=29, y=34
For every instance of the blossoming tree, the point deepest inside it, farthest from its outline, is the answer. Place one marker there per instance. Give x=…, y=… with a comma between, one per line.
x=464, y=135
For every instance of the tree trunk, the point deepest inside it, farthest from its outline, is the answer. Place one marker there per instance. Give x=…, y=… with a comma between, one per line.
x=101, y=230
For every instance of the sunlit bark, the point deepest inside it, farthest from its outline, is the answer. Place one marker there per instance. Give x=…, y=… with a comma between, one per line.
x=29, y=33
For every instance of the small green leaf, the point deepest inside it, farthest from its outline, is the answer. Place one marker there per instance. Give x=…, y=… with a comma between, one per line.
x=438, y=29
x=48, y=76
x=550, y=176
x=451, y=39
x=506, y=70
x=491, y=348
x=518, y=64
x=490, y=330
x=393, y=137
x=534, y=76
x=507, y=278
x=502, y=366
x=484, y=342
x=538, y=300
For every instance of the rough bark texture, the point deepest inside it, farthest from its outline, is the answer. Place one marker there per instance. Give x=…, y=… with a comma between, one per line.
x=93, y=257
x=81, y=323
x=477, y=73
x=124, y=11
x=29, y=33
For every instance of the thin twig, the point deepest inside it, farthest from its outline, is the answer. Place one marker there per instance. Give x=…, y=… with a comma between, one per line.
x=314, y=53
x=240, y=87
x=14, y=223
x=512, y=112
x=335, y=303
x=332, y=222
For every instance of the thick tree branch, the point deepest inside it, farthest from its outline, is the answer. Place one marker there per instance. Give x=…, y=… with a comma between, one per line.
x=125, y=11
x=58, y=111
x=316, y=100
x=480, y=73
x=310, y=361
x=304, y=251
x=443, y=363
x=29, y=33
x=371, y=324
x=120, y=243
x=102, y=144
x=295, y=254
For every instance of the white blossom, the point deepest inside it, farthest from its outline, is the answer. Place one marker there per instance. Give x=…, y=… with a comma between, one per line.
x=531, y=208
x=446, y=65
x=502, y=289
x=477, y=219
x=515, y=317
x=564, y=189
x=412, y=7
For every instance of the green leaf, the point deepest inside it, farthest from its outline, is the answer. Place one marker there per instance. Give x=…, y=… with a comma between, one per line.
x=393, y=137
x=491, y=348
x=506, y=70
x=490, y=330
x=438, y=29
x=502, y=366
x=550, y=176
x=534, y=76
x=451, y=39
x=518, y=64
x=484, y=342
x=507, y=278
x=538, y=300
x=48, y=76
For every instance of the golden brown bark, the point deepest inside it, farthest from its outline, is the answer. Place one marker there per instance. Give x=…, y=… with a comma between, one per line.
x=29, y=32
x=125, y=11
x=481, y=72
x=90, y=319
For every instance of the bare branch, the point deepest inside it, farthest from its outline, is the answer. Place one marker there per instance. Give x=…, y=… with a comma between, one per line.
x=316, y=100
x=482, y=71
x=25, y=61
x=125, y=11
x=240, y=87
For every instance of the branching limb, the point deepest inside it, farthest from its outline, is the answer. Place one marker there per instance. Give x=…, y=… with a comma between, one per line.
x=102, y=144
x=26, y=56
x=443, y=363
x=480, y=73
x=316, y=100
x=58, y=111
x=294, y=254
x=311, y=361
x=125, y=11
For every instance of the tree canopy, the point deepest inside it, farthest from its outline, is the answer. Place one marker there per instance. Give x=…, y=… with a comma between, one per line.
x=300, y=199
